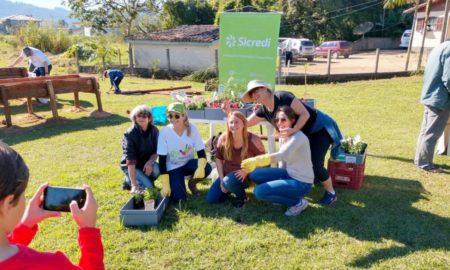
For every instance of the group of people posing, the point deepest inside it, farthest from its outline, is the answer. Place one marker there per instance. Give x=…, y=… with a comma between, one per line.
x=305, y=134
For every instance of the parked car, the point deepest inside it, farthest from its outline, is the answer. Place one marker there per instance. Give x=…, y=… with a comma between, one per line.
x=301, y=47
x=404, y=41
x=337, y=48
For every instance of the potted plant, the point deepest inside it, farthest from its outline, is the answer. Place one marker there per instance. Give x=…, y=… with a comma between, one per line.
x=150, y=196
x=354, y=150
x=138, y=199
x=195, y=107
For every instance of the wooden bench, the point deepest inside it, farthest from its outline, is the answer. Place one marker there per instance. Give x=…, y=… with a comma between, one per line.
x=8, y=73
x=46, y=87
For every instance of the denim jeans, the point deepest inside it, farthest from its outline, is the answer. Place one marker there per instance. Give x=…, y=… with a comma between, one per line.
x=276, y=186
x=142, y=179
x=116, y=82
x=40, y=71
x=176, y=176
x=230, y=182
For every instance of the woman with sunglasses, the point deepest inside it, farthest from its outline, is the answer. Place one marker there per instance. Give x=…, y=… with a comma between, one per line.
x=321, y=130
x=289, y=184
x=234, y=146
x=139, y=146
x=176, y=146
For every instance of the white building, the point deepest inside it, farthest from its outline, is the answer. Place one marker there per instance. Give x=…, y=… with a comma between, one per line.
x=185, y=48
x=8, y=24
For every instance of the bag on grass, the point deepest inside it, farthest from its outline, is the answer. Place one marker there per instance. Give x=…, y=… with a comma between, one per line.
x=159, y=115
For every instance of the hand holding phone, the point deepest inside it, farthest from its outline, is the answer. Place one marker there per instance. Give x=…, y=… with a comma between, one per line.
x=59, y=198
x=34, y=213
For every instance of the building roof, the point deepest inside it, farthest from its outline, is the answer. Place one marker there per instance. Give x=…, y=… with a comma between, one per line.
x=20, y=18
x=185, y=33
x=435, y=5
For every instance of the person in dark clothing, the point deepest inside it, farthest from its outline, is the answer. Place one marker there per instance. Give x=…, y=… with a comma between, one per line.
x=115, y=77
x=139, y=146
x=321, y=130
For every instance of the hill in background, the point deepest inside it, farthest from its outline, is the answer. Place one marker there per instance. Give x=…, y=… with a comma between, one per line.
x=9, y=8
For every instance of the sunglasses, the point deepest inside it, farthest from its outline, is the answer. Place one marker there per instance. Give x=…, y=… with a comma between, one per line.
x=176, y=116
x=281, y=120
x=143, y=115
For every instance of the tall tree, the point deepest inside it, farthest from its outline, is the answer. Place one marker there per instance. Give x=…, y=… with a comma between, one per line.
x=180, y=12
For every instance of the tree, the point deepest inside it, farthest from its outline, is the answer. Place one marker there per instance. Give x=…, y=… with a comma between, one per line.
x=181, y=12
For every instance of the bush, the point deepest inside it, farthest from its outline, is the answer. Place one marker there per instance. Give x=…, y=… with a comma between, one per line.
x=46, y=38
x=201, y=75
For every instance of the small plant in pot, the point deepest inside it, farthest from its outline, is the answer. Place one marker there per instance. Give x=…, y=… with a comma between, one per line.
x=138, y=199
x=150, y=196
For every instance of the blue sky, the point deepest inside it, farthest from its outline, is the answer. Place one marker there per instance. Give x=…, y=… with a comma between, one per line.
x=44, y=4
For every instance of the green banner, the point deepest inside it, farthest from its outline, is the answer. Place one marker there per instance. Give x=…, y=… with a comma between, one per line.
x=248, y=49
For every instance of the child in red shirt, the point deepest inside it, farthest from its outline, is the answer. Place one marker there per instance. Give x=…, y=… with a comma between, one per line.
x=18, y=222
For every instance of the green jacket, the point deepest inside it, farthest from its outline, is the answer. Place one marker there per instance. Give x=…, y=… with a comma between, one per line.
x=436, y=81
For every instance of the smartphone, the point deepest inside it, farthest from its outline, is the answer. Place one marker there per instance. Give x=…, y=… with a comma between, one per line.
x=59, y=198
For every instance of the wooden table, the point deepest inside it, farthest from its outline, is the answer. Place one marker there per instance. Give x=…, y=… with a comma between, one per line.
x=46, y=87
x=9, y=73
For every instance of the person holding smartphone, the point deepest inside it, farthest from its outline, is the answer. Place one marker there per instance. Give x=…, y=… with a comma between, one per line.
x=19, y=222
x=139, y=145
x=177, y=143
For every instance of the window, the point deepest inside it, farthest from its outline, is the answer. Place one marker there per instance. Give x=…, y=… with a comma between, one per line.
x=419, y=25
x=432, y=24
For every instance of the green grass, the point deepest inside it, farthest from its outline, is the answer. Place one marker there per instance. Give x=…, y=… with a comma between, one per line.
x=398, y=220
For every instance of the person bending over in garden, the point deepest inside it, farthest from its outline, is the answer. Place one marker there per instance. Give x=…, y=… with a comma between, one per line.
x=321, y=130
x=139, y=146
x=234, y=146
x=115, y=77
x=177, y=143
x=289, y=184
x=37, y=59
x=19, y=222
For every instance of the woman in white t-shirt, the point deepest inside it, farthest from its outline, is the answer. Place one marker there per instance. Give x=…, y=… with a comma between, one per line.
x=176, y=145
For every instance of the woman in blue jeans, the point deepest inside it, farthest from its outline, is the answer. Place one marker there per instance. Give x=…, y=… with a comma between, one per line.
x=234, y=146
x=139, y=145
x=290, y=184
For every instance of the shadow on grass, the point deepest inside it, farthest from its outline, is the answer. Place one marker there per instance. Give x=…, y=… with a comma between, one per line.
x=40, y=107
x=407, y=160
x=52, y=128
x=382, y=210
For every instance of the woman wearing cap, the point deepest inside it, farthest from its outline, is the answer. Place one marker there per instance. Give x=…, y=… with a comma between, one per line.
x=234, y=146
x=321, y=130
x=139, y=146
x=176, y=145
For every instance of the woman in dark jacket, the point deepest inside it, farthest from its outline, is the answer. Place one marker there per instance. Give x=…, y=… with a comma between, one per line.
x=139, y=146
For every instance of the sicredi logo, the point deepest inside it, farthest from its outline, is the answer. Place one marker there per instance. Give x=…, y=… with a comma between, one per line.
x=231, y=42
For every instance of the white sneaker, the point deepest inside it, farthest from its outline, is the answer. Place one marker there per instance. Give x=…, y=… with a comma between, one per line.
x=296, y=209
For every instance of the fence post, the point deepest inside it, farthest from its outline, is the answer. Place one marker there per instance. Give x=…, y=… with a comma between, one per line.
x=377, y=59
x=328, y=63
x=168, y=59
x=216, y=61
x=279, y=67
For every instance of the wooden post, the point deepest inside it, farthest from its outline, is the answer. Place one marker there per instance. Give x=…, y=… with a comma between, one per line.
x=328, y=63
x=76, y=99
x=425, y=23
x=216, y=61
x=6, y=107
x=279, y=72
x=30, y=105
x=51, y=93
x=168, y=59
x=130, y=58
x=97, y=94
x=444, y=25
x=411, y=38
x=377, y=59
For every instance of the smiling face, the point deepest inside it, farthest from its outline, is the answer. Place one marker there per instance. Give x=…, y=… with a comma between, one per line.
x=176, y=119
x=283, y=121
x=143, y=119
x=235, y=125
x=259, y=95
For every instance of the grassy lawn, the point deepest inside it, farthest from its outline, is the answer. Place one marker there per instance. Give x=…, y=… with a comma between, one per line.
x=398, y=220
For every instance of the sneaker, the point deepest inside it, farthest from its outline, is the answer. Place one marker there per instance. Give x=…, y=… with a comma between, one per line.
x=432, y=169
x=192, y=185
x=296, y=209
x=117, y=92
x=328, y=198
x=126, y=185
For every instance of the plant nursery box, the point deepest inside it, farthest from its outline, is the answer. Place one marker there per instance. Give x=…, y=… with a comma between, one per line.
x=196, y=114
x=346, y=175
x=214, y=114
x=140, y=217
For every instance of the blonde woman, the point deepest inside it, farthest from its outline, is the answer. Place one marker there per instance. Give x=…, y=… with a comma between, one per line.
x=177, y=143
x=234, y=146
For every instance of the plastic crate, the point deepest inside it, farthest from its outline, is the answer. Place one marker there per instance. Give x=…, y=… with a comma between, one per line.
x=140, y=217
x=346, y=175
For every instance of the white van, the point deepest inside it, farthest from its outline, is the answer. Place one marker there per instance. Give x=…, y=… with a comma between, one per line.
x=301, y=48
x=404, y=41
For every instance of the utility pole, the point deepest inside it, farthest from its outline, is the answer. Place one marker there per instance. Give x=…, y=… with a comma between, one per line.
x=445, y=26
x=427, y=11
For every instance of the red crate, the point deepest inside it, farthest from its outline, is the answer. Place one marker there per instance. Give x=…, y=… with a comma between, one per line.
x=346, y=175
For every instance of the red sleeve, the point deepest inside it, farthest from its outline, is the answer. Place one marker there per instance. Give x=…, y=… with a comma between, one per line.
x=91, y=247
x=22, y=234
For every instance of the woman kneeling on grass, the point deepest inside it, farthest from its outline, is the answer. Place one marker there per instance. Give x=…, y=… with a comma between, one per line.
x=18, y=225
x=233, y=147
x=139, y=145
x=290, y=184
x=176, y=144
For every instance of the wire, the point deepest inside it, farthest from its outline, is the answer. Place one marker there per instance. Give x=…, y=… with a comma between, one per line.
x=348, y=13
x=360, y=4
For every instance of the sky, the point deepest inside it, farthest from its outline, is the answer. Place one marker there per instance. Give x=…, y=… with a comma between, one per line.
x=43, y=4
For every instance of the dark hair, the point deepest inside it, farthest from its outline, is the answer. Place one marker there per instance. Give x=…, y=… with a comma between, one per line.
x=13, y=173
x=105, y=73
x=289, y=112
x=27, y=51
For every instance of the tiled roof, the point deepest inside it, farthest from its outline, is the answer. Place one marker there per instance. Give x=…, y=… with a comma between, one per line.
x=185, y=33
x=19, y=18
